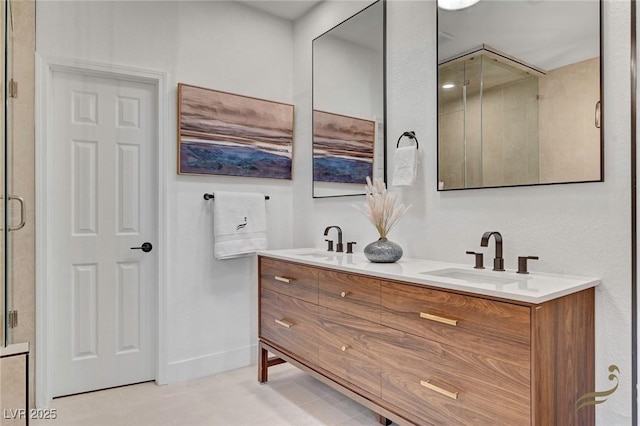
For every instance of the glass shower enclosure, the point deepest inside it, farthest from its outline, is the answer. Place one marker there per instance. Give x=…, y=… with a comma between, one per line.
x=487, y=120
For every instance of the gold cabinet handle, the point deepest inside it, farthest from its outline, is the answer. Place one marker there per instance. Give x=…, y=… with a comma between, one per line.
x=283, y=279
x=436, y=318
x=345, y=294
x=284, y=323
x=344, y=348
x=427, y=384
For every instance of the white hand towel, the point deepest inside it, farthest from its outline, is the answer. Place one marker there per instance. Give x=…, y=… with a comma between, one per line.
x=405, y=166
x=239, y=224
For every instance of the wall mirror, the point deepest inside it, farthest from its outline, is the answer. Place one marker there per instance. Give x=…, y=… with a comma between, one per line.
x=349, y=104
x=519, y=93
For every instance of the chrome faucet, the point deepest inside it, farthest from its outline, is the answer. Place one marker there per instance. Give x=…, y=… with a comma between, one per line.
x=339, y=248
x=498, y=262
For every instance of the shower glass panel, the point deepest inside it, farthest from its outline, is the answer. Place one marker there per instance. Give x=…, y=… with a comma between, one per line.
x=455, y=116
x=473, y=122
x=488, y=122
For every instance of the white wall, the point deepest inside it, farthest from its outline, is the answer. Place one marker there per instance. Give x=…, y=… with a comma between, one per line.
x=347, y=78
x=211, y=305
x=578, y=229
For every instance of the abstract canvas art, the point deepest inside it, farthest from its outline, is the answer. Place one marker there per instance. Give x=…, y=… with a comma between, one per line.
x=221, y=133
x=342, y=148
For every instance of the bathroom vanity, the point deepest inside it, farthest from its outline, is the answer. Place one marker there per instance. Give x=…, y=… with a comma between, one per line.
x=422, y=342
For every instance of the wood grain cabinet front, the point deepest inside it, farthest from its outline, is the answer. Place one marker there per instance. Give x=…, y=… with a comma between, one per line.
x=419, y=355
x=291, y=279
x=290, y=323
x=498, y=329
x=347, y=348
x=352, y=294
x=445, y=385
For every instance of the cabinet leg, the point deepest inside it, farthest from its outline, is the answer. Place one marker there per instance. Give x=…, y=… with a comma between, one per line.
x=263, y=365
x=383, y=420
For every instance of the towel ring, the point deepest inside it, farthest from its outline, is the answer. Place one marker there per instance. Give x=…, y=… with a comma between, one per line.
x=410, y=135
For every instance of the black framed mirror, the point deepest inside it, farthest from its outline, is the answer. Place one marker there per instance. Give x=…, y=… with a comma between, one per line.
x=519, y=93
x=349, y=104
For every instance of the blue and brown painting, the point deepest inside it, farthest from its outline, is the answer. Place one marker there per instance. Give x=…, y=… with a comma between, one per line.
x=342, y=148
x=227, y=134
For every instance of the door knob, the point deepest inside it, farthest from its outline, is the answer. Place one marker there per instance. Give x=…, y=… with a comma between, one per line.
x=145, y=247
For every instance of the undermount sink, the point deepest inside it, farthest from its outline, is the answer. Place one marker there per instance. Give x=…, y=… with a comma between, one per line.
x=475, y=277
x=321, y=254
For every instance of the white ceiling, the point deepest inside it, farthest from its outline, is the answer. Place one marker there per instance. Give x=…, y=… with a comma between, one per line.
x=287, y=9
x=544, y=33
x=368, y=21
x=364, y=28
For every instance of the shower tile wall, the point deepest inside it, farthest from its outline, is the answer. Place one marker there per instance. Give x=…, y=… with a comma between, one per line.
x=569, y=140
x=22, y=183
x=12, y=389
x=568, y=147
x=510, y=134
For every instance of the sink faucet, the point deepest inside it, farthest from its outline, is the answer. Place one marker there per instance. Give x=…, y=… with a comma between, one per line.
x=339, y=248
x=498, y=262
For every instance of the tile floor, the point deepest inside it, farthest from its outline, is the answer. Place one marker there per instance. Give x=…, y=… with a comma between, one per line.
x=235, y=398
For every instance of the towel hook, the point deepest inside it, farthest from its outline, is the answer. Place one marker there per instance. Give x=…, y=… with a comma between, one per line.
x=411, y=135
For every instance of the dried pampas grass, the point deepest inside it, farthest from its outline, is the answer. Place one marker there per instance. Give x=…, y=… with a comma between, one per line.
x=380, y=207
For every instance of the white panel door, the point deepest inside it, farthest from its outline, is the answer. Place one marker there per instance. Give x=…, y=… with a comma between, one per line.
x=105, y=160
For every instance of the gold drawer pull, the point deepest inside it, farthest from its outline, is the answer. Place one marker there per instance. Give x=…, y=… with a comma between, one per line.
x=429, y=385
x=345, y=293
x=443, y=320
x=284, y=323
x=344, y=348
x=283, y=279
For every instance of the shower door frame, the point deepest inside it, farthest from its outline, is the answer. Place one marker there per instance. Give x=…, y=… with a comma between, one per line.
x=4, y=332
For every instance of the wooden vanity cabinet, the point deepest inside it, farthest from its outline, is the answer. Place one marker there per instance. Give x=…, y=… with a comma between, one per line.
x=425, y=356
x=290, y=323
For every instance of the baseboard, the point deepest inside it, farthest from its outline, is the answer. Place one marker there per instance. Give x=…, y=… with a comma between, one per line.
x=207, y=365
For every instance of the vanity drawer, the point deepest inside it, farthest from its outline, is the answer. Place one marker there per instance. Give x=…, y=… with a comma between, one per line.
x=290, y=323
x=347, y=348
x=498, y=329
x=292, y=279
x=352, y=294
x=445, y=385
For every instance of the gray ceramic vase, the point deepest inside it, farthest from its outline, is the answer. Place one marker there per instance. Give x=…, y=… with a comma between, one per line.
x=383, y=251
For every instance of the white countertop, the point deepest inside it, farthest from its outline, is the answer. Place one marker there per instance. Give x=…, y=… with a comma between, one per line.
x=534, y=287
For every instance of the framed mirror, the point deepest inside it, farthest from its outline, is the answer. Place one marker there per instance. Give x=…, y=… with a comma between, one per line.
x=349, y=104
x=519, y=93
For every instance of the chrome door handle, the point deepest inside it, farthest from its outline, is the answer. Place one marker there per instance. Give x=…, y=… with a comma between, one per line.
x=23, y=213
x=145, y=247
